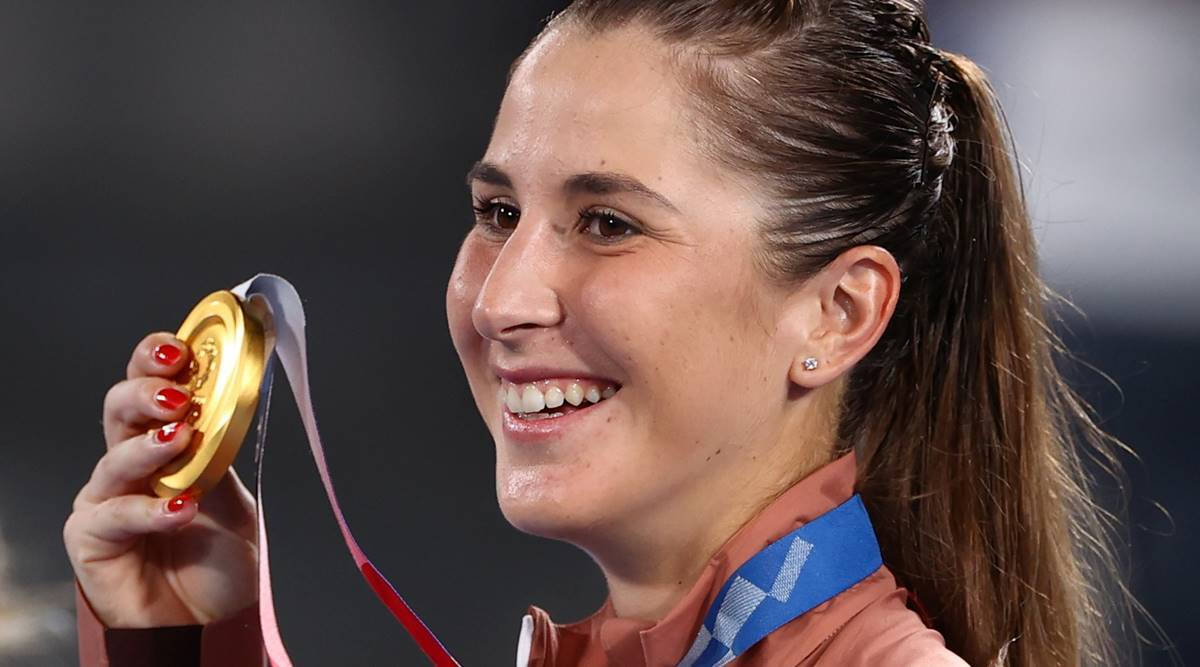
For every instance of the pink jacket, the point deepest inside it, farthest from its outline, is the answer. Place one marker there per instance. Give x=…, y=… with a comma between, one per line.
x=868, y=624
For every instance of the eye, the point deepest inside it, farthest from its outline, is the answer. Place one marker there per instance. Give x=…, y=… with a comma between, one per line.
x=496, y=214
x=606, y=224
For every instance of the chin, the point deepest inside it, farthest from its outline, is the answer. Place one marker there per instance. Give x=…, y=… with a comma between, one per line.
x=542, y=500
x=541, y=520
x=538, y=524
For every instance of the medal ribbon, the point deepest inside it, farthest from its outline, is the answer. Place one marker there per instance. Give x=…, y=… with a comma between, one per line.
x=290, y=349
x=803, y=569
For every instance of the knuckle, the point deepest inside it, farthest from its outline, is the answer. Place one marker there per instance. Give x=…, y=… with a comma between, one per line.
x=112, y=397
x=121, y=514
x=73, y=531
x=69, y=529
x=113, y=508
x=149, y=510
x=123, y=400
x=104, y=470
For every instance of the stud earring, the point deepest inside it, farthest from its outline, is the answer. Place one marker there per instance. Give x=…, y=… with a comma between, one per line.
x=811, y=363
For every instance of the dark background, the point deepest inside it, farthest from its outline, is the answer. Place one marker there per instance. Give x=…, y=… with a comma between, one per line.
x=152, y=152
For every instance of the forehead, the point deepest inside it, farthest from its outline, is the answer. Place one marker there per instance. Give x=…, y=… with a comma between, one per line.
x=576, y=100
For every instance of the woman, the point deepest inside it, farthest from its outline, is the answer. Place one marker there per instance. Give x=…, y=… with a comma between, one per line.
x=733, y=262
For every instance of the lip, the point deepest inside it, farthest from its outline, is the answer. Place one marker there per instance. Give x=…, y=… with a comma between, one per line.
x=535, y=373
x=547, y=430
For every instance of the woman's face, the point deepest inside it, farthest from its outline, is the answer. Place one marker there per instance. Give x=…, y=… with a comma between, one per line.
x=610, y=254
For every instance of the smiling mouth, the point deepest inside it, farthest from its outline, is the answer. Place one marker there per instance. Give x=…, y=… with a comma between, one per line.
x=550, y=399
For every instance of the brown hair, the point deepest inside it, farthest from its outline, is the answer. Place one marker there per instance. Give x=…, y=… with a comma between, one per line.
x=863, y=133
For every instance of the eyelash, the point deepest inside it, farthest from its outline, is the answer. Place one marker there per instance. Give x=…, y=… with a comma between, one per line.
x=485, y=210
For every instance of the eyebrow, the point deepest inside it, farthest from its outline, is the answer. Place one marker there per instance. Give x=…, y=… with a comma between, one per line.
x=592, y=182
x=487, y=172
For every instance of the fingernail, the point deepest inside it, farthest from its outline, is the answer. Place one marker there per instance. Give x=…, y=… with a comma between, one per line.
x=177, y=503
x=171, y=398
x=167, y=354
x=167, y=433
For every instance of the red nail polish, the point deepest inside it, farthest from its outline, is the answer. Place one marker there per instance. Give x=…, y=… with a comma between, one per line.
x=167, y=433
x=167, y=354
x=171, y=398
x=177, y=503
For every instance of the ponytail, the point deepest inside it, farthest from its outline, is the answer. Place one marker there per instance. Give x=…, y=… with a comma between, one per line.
x=963, y=423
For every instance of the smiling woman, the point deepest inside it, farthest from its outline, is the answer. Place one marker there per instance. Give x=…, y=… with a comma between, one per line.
x=732, y=262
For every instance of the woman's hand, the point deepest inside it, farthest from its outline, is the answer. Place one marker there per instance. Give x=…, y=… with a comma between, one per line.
x=144, y=561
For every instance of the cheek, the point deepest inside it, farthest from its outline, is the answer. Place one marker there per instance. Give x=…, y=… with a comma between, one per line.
x=686, y=336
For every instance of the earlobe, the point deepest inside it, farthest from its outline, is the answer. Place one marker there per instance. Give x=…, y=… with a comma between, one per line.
x=809, y=372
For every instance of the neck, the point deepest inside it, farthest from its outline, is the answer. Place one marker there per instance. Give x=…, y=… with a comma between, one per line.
x=648, y=577
x=651, y=561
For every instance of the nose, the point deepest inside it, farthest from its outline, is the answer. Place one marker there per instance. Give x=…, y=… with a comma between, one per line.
x=518, y=295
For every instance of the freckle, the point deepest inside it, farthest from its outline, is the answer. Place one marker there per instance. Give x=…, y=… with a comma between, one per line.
x=731, y=339
x=602, y=162
x=607, y=420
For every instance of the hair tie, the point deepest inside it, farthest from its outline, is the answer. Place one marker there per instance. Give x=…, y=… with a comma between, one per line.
x=937, y=144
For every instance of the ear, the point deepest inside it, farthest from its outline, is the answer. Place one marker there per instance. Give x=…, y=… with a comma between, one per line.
x=850, y=302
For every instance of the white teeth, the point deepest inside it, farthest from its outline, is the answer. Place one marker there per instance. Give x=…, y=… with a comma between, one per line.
x=512, y=400
x=573, y=394
x=528, y=399
x=532, y=399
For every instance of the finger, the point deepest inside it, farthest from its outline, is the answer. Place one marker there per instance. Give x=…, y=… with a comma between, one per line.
x=132, y=406
x=126, y=467
x=158, y=355
x=105, y=530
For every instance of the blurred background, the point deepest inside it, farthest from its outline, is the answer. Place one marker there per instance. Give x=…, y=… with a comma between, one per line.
x=153, y=152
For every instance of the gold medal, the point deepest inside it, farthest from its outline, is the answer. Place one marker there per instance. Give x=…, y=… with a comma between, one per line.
x=230, y=341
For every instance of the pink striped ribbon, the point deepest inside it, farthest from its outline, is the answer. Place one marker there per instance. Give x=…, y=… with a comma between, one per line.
x=290, y=348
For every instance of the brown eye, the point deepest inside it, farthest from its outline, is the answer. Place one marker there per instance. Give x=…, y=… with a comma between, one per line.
x=607, y=225
x=496, y=215
x=506, y=216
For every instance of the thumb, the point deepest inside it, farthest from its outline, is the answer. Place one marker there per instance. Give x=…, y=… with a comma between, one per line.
x=230, y=505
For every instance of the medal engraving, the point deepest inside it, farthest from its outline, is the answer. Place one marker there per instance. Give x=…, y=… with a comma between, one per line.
x=201, y=368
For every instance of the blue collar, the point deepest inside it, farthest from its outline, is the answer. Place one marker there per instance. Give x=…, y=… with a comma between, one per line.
x=803, y=569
